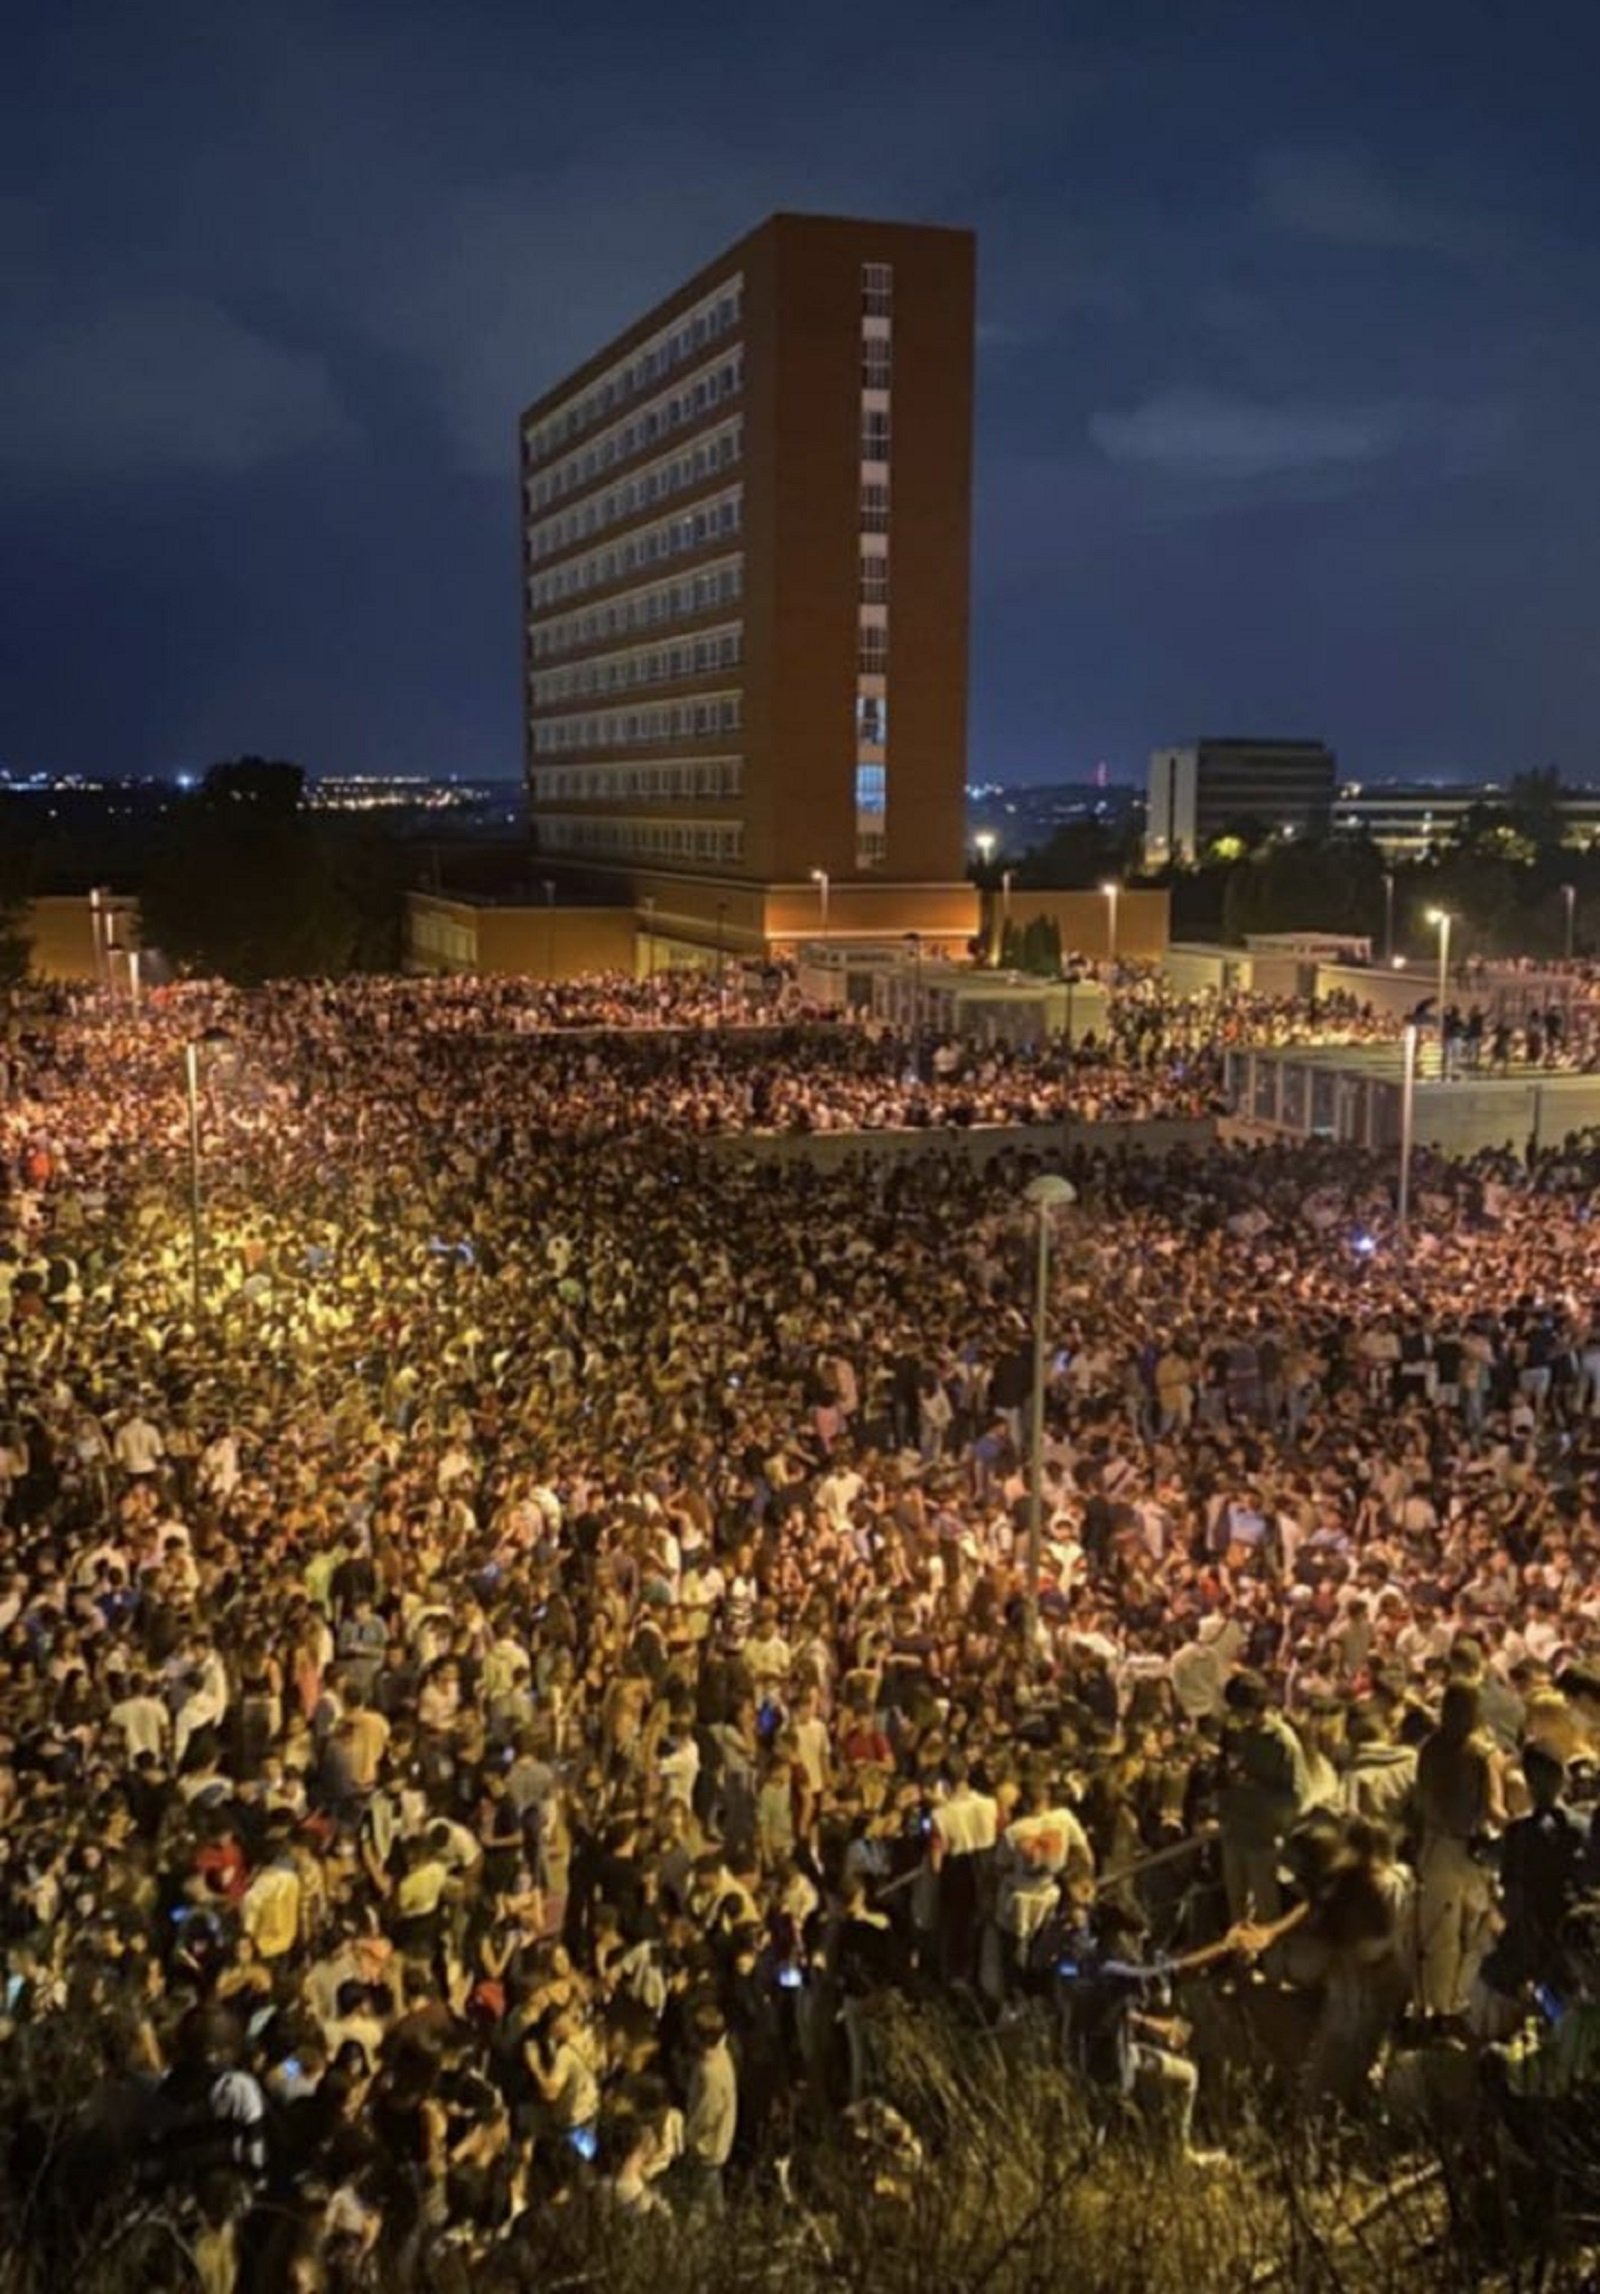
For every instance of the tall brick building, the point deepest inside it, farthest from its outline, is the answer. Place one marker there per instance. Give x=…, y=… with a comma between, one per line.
x=746, y=532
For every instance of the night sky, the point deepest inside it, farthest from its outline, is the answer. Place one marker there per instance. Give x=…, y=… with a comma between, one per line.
x=1289, y=356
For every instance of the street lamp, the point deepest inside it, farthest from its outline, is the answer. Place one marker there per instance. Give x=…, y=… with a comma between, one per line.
x=819, y=877
x=1440, y=919
x=192, y=1049
x=1388, y=915
x=1569, y=893
x=1047, y=1194
x=985, y=840
x=1113, y=893
x=914, y=943
x=722, y=961
x=1408, y=1114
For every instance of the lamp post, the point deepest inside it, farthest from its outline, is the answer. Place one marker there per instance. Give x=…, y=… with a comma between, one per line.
x=985, y=841
x=1005, y=906
x=99, y=927
x=914, y=943
x=1440, y=919
x=819, y=877
x=1569, y=893
x=1408, y=1116
x=1388, y=915
x=1113, y=893
x=1046, y=1195
x=722, y=961
x=649, y=908
x=191, y=1081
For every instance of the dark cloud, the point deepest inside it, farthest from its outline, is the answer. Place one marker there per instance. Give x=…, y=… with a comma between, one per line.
x=141, y=388
x=1346, y=198
x=1284, y=354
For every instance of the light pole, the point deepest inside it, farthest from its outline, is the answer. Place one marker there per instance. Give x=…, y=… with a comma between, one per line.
x=914, y=943
x=191, y=1080
x=1388, y=915
x=1047, y=1194
x=722, y=961
x=1440, y=919
x=1005, y=907
x=1113, y=893
x=99, y=926
x=1408, y=1116
x=985, y=841
x=1569, y=893
x=649, y=908
x=819, y=877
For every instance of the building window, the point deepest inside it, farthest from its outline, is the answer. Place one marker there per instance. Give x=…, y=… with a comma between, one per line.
x=877, y=290
x=875, y=581
x=874, y=507
x=875, y=363
x=872, y=720
x=873, y=651
x=874, y=436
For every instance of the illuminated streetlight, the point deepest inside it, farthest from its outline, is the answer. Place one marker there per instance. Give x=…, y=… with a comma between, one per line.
x=1408, y=1112
x=1113, y=893
x=985, y=840
x=1046, y=1195
x=819, y=877
x=1440, y=919
x=1388, y=915
x=1569, y=893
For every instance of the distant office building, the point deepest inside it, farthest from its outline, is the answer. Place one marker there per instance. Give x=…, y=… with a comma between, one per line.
x=746, y=528
x=1209, y=788
x=1407, y=819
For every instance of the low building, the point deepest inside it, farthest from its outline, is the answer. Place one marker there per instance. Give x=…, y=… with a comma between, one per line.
x=1206, y=789
x=457, y=932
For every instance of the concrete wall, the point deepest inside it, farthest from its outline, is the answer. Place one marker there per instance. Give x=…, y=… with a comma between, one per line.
x=544, y=943
x=60, y=930
x=1144, y=919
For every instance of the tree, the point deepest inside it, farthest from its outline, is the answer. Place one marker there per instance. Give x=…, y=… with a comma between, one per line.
x=244, y=886
x=1033, y=947
x=16, y=948
x=1312, y=884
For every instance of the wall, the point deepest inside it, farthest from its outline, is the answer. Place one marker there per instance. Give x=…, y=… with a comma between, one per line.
x=1144, y=919
x=61, y=932
x=544, y=943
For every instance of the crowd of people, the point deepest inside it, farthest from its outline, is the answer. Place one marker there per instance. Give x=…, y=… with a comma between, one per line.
x=519, y=1640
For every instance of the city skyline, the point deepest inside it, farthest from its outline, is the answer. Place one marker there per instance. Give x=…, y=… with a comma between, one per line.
x=1282, y=386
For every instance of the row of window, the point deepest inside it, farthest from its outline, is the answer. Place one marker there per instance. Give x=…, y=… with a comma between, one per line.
x=692, y=398
x=664, y=664
x=699, y=592
x=654, y=782
x=642, y=839
x=872, y=637
x=637, y=728
x=692, y=465
x=707, y=322
x=694, y=529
